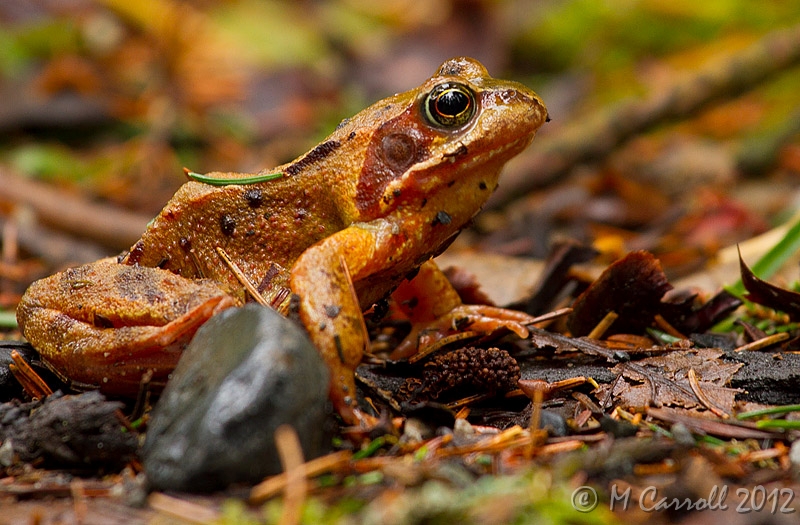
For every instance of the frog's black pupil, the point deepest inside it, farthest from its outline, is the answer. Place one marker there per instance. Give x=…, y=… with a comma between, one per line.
x=451, y=103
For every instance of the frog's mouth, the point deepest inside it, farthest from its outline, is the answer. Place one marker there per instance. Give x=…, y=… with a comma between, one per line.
x=461, y=152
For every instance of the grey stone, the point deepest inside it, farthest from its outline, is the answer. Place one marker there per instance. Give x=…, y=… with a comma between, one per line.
x=246, y=372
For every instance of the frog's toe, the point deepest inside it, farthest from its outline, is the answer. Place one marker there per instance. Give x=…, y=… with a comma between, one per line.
x=477, y=320
x=487, y=319
x=358, y=420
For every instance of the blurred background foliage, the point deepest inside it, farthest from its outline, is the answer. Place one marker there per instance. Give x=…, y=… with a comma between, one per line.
x=111, y=98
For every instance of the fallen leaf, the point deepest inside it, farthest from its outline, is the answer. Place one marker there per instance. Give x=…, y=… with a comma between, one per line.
x=632, y=287
x=766, y=294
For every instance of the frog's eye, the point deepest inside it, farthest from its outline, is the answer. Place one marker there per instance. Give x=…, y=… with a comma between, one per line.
x=450, y=105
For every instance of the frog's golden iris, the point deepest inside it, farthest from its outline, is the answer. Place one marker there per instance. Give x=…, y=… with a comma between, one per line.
x=450, y=105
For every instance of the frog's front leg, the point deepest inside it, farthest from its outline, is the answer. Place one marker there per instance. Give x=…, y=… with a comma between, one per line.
x=436, y=310
x=105, y=324
x=323, y=279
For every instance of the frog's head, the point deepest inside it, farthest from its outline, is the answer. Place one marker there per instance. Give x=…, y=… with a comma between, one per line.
x=456, y=131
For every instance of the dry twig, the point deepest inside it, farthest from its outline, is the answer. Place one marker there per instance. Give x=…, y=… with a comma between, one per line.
x=108, y=225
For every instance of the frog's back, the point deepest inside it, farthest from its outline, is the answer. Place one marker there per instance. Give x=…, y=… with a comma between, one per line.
x=255, y=224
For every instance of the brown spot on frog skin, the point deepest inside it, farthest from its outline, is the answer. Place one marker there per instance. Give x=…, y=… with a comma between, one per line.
x=339, y=350
x=442, y=217
x=332, y=311
x=254, y=197
x=185, y=244
x=135, y=255
x=459, y=152
x=312, y=157
x=456, y=67
x=227, y=224
x=137, y=286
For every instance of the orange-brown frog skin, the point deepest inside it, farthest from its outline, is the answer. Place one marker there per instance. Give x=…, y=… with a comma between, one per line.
x=343, y=227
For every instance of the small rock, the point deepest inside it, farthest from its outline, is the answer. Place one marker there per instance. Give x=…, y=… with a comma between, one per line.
x=7, y=453
x=553, y=423
x=246, y=372
x=463, y=433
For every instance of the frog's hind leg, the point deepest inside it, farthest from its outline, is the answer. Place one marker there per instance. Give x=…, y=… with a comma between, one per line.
x=93, y=337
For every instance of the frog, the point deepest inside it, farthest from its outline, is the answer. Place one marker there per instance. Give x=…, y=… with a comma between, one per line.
x=355, y=220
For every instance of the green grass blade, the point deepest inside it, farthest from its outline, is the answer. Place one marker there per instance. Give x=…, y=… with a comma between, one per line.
x=217, y=181
x=8, y=319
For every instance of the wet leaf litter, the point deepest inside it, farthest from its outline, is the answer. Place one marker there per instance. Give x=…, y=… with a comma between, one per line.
x=663, y=416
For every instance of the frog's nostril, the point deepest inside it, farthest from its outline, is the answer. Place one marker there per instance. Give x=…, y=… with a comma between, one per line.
x=508, y=95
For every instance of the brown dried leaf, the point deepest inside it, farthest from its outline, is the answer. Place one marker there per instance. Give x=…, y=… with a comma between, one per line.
x=632, y=287
x=663, y=381
x=704, y=361
x=467, y=285
x=766, y=294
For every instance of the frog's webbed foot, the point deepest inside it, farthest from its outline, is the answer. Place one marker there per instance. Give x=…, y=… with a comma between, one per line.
x=471, y=319
x=358, y=420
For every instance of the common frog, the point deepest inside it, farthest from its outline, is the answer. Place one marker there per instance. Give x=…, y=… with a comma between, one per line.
x=353, y=220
